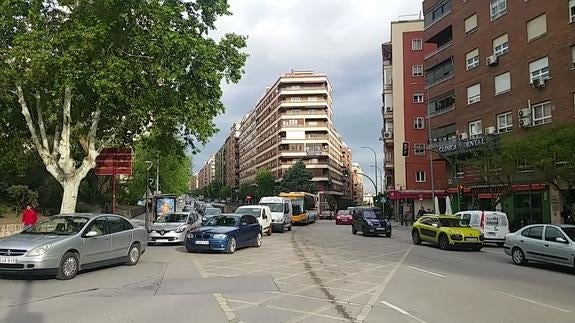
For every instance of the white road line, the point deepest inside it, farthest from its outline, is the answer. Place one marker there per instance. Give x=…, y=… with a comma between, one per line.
x=494, y=252
x=291, y=310
x=222, y=303
x=535, y=302
x=402, y=311
x=427, y=272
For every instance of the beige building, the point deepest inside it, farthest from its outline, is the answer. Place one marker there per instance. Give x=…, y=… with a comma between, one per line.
x=357, y=179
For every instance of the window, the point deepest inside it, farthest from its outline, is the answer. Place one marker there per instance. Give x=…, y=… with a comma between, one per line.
x=472, y=59
x=542, y=113
x=471, y=24
x=573, y=56
x=502, y=83
x=536, y=27
x=505, y=122
x=445, y=102
x=417, y=70
x=501, y=45
x=498, y=8
x=439, y=73
x=420, y=177
x=118, y=225
x=475, y=129
x=474, y=93
x=442, y=9
x=571, y=10
x=419, y=149
x=533, y=232
x=418, y=123
x=417, y=44
x=539, y=69
x=552, y=233
x=418, y=97
x=100, y=226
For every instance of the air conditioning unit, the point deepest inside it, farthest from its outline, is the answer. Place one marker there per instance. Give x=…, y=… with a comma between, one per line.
x=538, y=83
x=462, y=136
x=524, y=112
x=490, y=130
x=491, y=60
x=388, y=135
x=525, y=122
x=388, y=109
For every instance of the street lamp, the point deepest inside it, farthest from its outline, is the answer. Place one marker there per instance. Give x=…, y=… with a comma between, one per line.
x=375, y=158
x=380, y=176
x=149, y=165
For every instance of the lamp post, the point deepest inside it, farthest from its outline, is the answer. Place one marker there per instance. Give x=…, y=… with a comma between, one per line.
x=380, y=176
x=375, y=161
x=149, y=165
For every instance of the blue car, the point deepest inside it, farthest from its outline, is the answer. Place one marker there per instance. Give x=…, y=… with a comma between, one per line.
x=226, y=233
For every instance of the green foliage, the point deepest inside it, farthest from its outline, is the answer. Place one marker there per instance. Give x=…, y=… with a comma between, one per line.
x=265, y=182
x=226, y=192
x=21, y=195
x=247, y=189
x=297, y=179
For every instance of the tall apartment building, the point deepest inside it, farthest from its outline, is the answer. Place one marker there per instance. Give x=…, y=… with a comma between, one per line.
x=500, y=68
x=220, y=165
x=232, y=154
x=410, y=181
x=207, y=174
x=357, y=179
x=293, y=121
x=346, y=158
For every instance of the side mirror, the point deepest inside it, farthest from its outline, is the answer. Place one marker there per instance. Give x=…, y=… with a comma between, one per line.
x=91, y=234
x=265, y=217
x=435, y=225
x=560, y=240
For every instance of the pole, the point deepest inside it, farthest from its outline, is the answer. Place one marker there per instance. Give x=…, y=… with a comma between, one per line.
x=114, y=185
x=147, y=220
x=158, y=175
x=431, y=170
x=375, y=162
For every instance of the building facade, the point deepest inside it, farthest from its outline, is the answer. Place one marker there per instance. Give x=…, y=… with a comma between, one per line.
x=346, y=159
x=500, y=68
x=232, y=168
x=220, y=165
x=207, y=173
x=357, y=179
x=411, y=183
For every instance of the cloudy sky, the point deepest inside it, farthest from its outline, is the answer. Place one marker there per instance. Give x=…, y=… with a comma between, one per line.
x=341, y=38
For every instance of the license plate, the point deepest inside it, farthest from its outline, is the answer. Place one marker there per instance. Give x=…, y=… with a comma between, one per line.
x=471, y=239
x=202, y=242
x=6, y=260
x=380, y=229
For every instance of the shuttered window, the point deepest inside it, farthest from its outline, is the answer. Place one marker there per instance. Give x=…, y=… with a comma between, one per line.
x=502, y=83
x=471, y=24
x=536, y=27
x=474, y=93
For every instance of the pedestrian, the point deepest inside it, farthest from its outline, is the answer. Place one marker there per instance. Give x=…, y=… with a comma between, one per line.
x=421, y=212
x=29, y=216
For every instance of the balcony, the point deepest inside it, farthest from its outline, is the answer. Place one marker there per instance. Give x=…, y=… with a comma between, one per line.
x=443, y=40
x=435, y=14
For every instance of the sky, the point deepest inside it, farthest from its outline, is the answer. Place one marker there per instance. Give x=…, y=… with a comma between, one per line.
x=341, y=38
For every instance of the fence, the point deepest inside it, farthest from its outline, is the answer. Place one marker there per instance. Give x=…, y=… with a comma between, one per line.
x=9, y=229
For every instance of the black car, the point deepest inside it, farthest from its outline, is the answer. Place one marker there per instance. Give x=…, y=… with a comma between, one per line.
x=370, y=221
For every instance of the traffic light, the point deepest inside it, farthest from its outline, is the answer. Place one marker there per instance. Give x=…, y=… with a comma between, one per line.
x=405, y=149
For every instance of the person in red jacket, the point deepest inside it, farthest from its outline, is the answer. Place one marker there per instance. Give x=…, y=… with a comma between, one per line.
x=29, y=217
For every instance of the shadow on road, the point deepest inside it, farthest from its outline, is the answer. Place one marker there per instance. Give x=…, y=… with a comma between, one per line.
x=20, y=310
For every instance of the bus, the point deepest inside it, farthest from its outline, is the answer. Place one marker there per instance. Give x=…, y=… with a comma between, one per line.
x=305, y=207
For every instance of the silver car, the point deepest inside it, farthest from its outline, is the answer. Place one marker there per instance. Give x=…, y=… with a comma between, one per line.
x=62, y=245
x=547, y=243
x=173, y=227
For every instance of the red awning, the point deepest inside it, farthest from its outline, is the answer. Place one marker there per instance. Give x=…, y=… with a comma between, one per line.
x=400, y=195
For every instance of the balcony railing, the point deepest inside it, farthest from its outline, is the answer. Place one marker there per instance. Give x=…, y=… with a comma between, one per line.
x=439, y=49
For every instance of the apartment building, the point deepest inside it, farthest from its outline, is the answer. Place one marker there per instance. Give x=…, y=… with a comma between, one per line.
x=207, y=173
x=346, y=159
x=409, y=179
x=500, y=68
x=247, y=149
x=357, y=179
x=220, y=165
x=232, y=155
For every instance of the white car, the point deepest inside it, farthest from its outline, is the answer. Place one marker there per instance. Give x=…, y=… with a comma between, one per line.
x=262, y=213
x=282, y=212
x=494, y=225
x=173, y=228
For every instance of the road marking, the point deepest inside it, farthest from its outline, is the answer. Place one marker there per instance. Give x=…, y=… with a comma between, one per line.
x=427, y=272
x=494, y=252
x=535, y=302
x=369, y=306
x=291, y=310
x=402, y=311
x=222, y=303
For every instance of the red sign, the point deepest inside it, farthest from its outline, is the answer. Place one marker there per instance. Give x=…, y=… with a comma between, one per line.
x=114, y=161
x=420, y=197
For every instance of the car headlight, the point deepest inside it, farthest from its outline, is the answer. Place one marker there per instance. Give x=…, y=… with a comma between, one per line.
x=481, y=237
x=204, y=219
x=40, y=250
x=181, y=229
x=456, y=237
x=190, y=236
x=220, y=236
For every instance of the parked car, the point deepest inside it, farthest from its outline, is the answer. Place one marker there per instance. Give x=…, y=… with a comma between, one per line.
x=447, y=231
x=210, y=212
x=343, y=217
x=370, y=221
x=494, y=225
x=262, y=213
x=173, y=227
x=63, y=245
x=226, y=232
x=554, y=244
x=282, y=212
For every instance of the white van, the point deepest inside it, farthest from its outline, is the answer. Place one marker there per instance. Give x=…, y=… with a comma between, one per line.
x=262, y=213
x=282, y=212
x=494, y=225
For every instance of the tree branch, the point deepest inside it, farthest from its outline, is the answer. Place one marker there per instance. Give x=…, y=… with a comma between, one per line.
x=65, y=162
x=93, y=130
x=41, y=122
x=56, y=145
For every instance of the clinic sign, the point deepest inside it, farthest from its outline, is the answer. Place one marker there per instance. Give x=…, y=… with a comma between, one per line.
x=463, y=146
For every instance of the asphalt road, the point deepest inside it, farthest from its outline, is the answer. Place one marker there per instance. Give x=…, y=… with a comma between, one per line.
x=316, y=273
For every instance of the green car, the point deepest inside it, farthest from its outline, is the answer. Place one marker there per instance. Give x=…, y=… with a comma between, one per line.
x=446, y=231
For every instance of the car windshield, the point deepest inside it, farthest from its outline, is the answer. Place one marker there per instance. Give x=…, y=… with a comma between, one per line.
x=275, y=207
x=223, y=221
x=570, y=232
x=250, y=210
x=58, y=225
x=452, y=223
x=342, y=212
x=173, y=218
x=212, y=211
x=372, y=214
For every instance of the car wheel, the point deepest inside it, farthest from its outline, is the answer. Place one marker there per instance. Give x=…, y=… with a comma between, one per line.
x=269, y=232
x=133, y=254
x=518, y=256
x=415, y=237
x=353, y=230
x=231, y=248
x=69, y=266
x=500, y=244
x=258, y=241
x=289, y=228
x=283, y=229
x=443, y=242
x=388, y=234
x=364, y=232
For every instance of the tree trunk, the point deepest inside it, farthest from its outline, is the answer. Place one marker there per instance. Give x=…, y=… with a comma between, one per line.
x=70, y=195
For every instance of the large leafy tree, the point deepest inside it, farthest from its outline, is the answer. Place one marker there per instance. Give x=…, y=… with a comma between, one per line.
x=265, y=182
x=297, y=179
x=99, y=73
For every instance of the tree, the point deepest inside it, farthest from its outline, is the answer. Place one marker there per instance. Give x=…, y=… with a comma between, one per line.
x=246, y=189
x=265, y=182
x=22, y=195
x=297, y=179
x=118, y=68
x=226, y=192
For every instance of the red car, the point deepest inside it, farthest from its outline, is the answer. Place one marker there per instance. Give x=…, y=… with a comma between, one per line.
x=343, y=217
